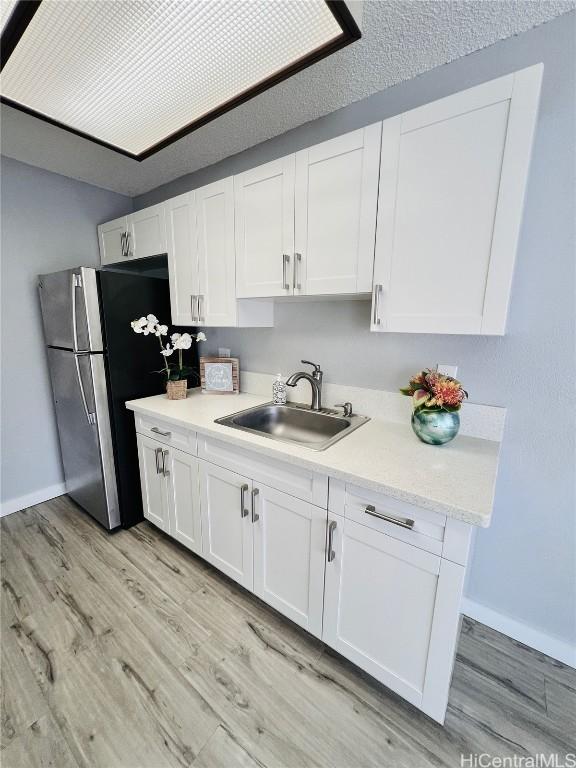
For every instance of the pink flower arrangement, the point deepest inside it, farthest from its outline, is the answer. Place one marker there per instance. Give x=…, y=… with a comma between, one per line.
x=435, y=392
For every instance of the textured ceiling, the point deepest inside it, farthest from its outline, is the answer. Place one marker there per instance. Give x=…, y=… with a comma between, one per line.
x=401, y=39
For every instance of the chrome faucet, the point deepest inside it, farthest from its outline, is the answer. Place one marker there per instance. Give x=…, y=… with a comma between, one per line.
x=315, y=382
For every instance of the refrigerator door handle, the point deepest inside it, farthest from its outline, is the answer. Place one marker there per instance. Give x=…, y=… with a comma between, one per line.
x=91, y=417
x=75, y=281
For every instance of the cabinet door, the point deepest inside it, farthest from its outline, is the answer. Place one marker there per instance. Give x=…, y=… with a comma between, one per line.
x=147, y=232
x=336, y=196
x=379, y=606
x=264, y=207
x=452, y=182
x=216, y=255
x=182, y=250
x=111, y=239
x=226, y=526
x=183, y=498
x=153, y=482
x=289, y=552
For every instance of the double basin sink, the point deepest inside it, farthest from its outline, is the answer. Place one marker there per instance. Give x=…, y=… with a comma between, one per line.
x=295, y=423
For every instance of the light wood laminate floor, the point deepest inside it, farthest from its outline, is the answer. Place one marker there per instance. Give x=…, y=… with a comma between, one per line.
x=127, y=651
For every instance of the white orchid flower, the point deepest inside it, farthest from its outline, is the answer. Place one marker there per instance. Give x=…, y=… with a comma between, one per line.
x=139, y=324
x=201, y=336
x=175, y=337
x=161, y=330
x=185, y=341
x=152, y=319
x=168, y=351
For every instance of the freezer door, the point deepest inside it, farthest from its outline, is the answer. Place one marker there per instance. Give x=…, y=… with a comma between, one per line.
x=79, y=387
x=70, y=309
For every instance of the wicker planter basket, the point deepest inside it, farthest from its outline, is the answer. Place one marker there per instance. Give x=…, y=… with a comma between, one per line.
x=177, y=390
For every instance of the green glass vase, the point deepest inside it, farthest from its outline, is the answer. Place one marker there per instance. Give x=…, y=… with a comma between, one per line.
x=435, y=427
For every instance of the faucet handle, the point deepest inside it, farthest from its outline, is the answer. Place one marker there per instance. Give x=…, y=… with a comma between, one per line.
x=317, y=368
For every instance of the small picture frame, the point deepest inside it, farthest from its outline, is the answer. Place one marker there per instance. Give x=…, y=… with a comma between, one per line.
x=220, y=375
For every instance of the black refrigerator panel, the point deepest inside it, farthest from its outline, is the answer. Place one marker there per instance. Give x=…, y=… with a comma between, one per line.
x=132, y=360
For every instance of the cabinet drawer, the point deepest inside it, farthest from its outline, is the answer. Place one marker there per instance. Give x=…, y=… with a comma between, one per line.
x=177, y=437
x=370, y=508
x=302, y=483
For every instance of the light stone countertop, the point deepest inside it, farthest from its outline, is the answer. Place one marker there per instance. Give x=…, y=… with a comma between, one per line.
x=456, y=479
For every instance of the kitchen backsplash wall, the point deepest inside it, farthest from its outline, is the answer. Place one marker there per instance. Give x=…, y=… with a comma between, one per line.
x=524, y=565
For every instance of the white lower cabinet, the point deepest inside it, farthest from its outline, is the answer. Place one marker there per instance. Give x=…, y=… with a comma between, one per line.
x=379, y=587
x=226, y=522
x=382, y=606
x=289, y=552
x=183, y=499
x=153, y=480
x=170, y=498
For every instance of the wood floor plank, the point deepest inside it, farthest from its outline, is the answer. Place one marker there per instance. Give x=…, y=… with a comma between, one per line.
x=126, y=651
x=561, y=706
x=41, y=745
x=22, y=700
x=530, y=657
x=224, y=750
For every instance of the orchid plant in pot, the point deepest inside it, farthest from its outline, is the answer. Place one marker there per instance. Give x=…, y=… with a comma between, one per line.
x=436, y=400
x=176, y=373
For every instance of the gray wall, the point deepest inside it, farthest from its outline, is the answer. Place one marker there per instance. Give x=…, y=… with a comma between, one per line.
x=48, y=223
x=524, y=564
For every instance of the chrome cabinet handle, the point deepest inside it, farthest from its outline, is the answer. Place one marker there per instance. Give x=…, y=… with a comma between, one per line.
x=403, y=523
x=376, y=304
x=201, y=317
x=165, y=455
x=158, y=431
x=330, y=555
x=158, y=453
x=296, y=274
x=285, y=265
x=192, y=301
x=255, y=515
x=128, y=238
x=243, y=510
x=123, y=243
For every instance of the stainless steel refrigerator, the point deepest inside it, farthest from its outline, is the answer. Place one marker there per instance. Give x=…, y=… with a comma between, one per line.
x=96, y=363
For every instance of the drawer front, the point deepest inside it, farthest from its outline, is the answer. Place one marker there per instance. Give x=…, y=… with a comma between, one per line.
x=177, y=437
x=405, y=522
x=301, y=483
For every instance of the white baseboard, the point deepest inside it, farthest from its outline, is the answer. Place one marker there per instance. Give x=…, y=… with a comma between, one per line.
x=30, y=499
x=552, y=646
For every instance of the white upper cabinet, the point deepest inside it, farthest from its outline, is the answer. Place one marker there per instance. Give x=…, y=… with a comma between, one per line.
x=147, y=232
x=452, y=181
x=182, y=258
x=216, y=262
x=201, y=260
x=264, y=205
x=336, y=196
x=112, y=240
x=305, y=224
x=135, y=236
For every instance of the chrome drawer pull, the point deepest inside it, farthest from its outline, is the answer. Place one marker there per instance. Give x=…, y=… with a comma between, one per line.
x=255, y=515
x=165, y=471
x=331, y=554
x=158, y=453
x=243, y=510
x=159, y=432
x=371, y=510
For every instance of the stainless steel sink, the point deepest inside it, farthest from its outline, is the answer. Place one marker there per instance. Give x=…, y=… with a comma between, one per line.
x=295, y=423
